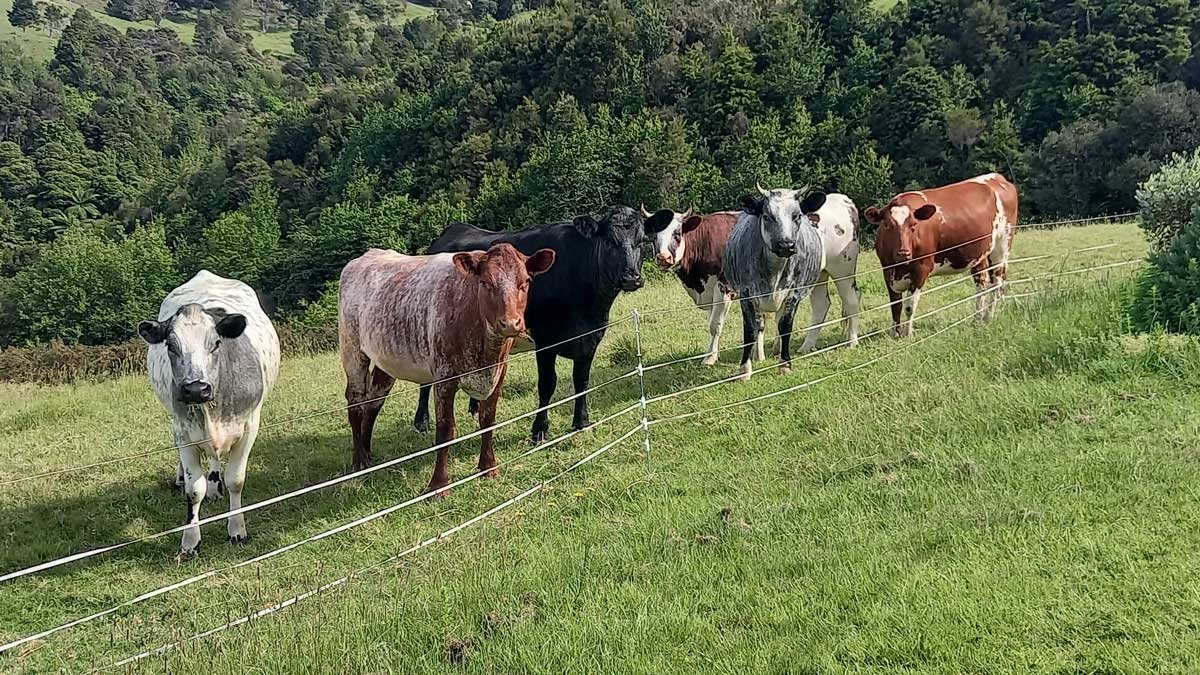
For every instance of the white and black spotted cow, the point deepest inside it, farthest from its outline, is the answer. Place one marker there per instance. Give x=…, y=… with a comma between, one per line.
x=773, y=259
x=213, y=358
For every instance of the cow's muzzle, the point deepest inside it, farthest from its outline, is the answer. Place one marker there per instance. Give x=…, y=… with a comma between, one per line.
x=784, y=249
x=511, y=328
x=665, y=261
x=631, y=283
x=196, y=392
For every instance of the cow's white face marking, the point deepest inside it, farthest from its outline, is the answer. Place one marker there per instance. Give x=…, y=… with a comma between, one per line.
x=781, y=217
x=900, y=215
x=669, y=245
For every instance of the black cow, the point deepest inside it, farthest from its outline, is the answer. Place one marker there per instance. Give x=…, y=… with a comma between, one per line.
x=595, y=260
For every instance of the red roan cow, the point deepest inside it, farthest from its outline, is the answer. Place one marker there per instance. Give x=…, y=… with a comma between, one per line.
x=969, y=225
x=693, y=246
x=449, y=318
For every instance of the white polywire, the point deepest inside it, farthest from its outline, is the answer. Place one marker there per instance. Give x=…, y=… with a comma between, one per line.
x=292, y=420
x=831, y=322
x=41, y=567
x=810, y=383
x=338, y=582
x=317, y=537
x=859, y=273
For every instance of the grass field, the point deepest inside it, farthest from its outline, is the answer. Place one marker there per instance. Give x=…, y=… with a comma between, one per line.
x=37, y=43
x=1011, y=497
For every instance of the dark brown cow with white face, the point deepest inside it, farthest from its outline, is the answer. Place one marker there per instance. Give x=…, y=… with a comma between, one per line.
x=967, y=226
x=449, y=318
x=693, y=247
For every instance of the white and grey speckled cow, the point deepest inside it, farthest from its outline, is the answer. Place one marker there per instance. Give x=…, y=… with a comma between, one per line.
x=213, y=359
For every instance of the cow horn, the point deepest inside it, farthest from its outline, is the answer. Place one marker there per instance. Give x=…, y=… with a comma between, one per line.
x=689, y=213
x=765, y=193
x=645, y=213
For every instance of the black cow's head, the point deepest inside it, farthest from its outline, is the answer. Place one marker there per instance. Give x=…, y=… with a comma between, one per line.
x=193, y=338
x=618, y=236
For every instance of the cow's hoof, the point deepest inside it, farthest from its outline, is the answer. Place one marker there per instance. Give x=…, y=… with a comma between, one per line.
x=580, y=426
x=437, y=493
x=421, y=426
x=743, y=373
x=187, y=554
x=785, y=369
x=239, y=539
x=490, y=472
x=539, y=436
x=360, y=464
x=709, y=361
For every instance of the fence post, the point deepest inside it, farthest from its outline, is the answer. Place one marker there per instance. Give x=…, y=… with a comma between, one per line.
x=637, y=331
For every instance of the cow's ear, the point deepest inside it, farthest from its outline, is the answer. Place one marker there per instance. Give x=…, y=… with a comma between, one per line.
x=874, y=215
x=812, y=203
x=152, y=332
x=539, y=262
x=753, y=205
x=586, y=225
x=231, y=326
x=925, y=212
x=469, y=263
x=659, y=221
x=691, y=224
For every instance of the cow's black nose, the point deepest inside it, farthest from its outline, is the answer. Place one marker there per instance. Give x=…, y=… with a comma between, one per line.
x=196, y=391
x=631, y=283
x=785, y=248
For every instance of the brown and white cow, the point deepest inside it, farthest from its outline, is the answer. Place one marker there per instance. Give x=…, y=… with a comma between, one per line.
x=693, y=247
x=969, y=225
x=449, y=318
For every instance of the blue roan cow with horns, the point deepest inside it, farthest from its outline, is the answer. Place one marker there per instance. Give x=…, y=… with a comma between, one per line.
x=773, y=259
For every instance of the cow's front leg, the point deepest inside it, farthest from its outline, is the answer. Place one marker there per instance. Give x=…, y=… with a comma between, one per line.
x=487, y=417
x=235, y=479
x=179, y=476
x=851, y=297
x=784, y=325
x=820, y=310
x=547, y=383
x=216, y=488
x=195, y=485
x=581, y=376
x=443, y=409
x=751, y=333
x=760, y=321
x=895, y=302
x=716, y=324
x=910, y=310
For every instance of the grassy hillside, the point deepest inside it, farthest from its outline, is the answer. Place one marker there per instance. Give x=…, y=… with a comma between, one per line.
x=1010, y=497
x=41, y=45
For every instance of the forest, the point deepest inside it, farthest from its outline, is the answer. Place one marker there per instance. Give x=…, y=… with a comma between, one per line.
x=129, y=160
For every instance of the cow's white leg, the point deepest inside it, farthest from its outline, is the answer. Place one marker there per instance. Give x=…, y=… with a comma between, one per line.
x=716, y=324
x=851, y=300
x=759, y=355
x=235, y=479
x=910, y=309
x=820, y=309
x=179, y=476
x=215, y=490
x=195, y=485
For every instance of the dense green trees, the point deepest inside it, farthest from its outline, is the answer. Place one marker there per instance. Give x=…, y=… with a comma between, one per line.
x=377, y=133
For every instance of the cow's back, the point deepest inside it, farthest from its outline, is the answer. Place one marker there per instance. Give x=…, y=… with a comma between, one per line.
x=258, y=344
x=395, y=308
x=704, y=251
x=968, y=210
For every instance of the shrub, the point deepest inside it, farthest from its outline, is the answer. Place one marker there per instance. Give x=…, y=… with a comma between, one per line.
x=1168, y=291
x=89, y=289
x=1166, y=199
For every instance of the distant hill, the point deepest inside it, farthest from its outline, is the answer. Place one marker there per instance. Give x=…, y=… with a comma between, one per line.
x=38, y=43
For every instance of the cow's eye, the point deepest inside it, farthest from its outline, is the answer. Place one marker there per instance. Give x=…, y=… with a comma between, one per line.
x=171, y=348
x=216, y=346
x=678, y=236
